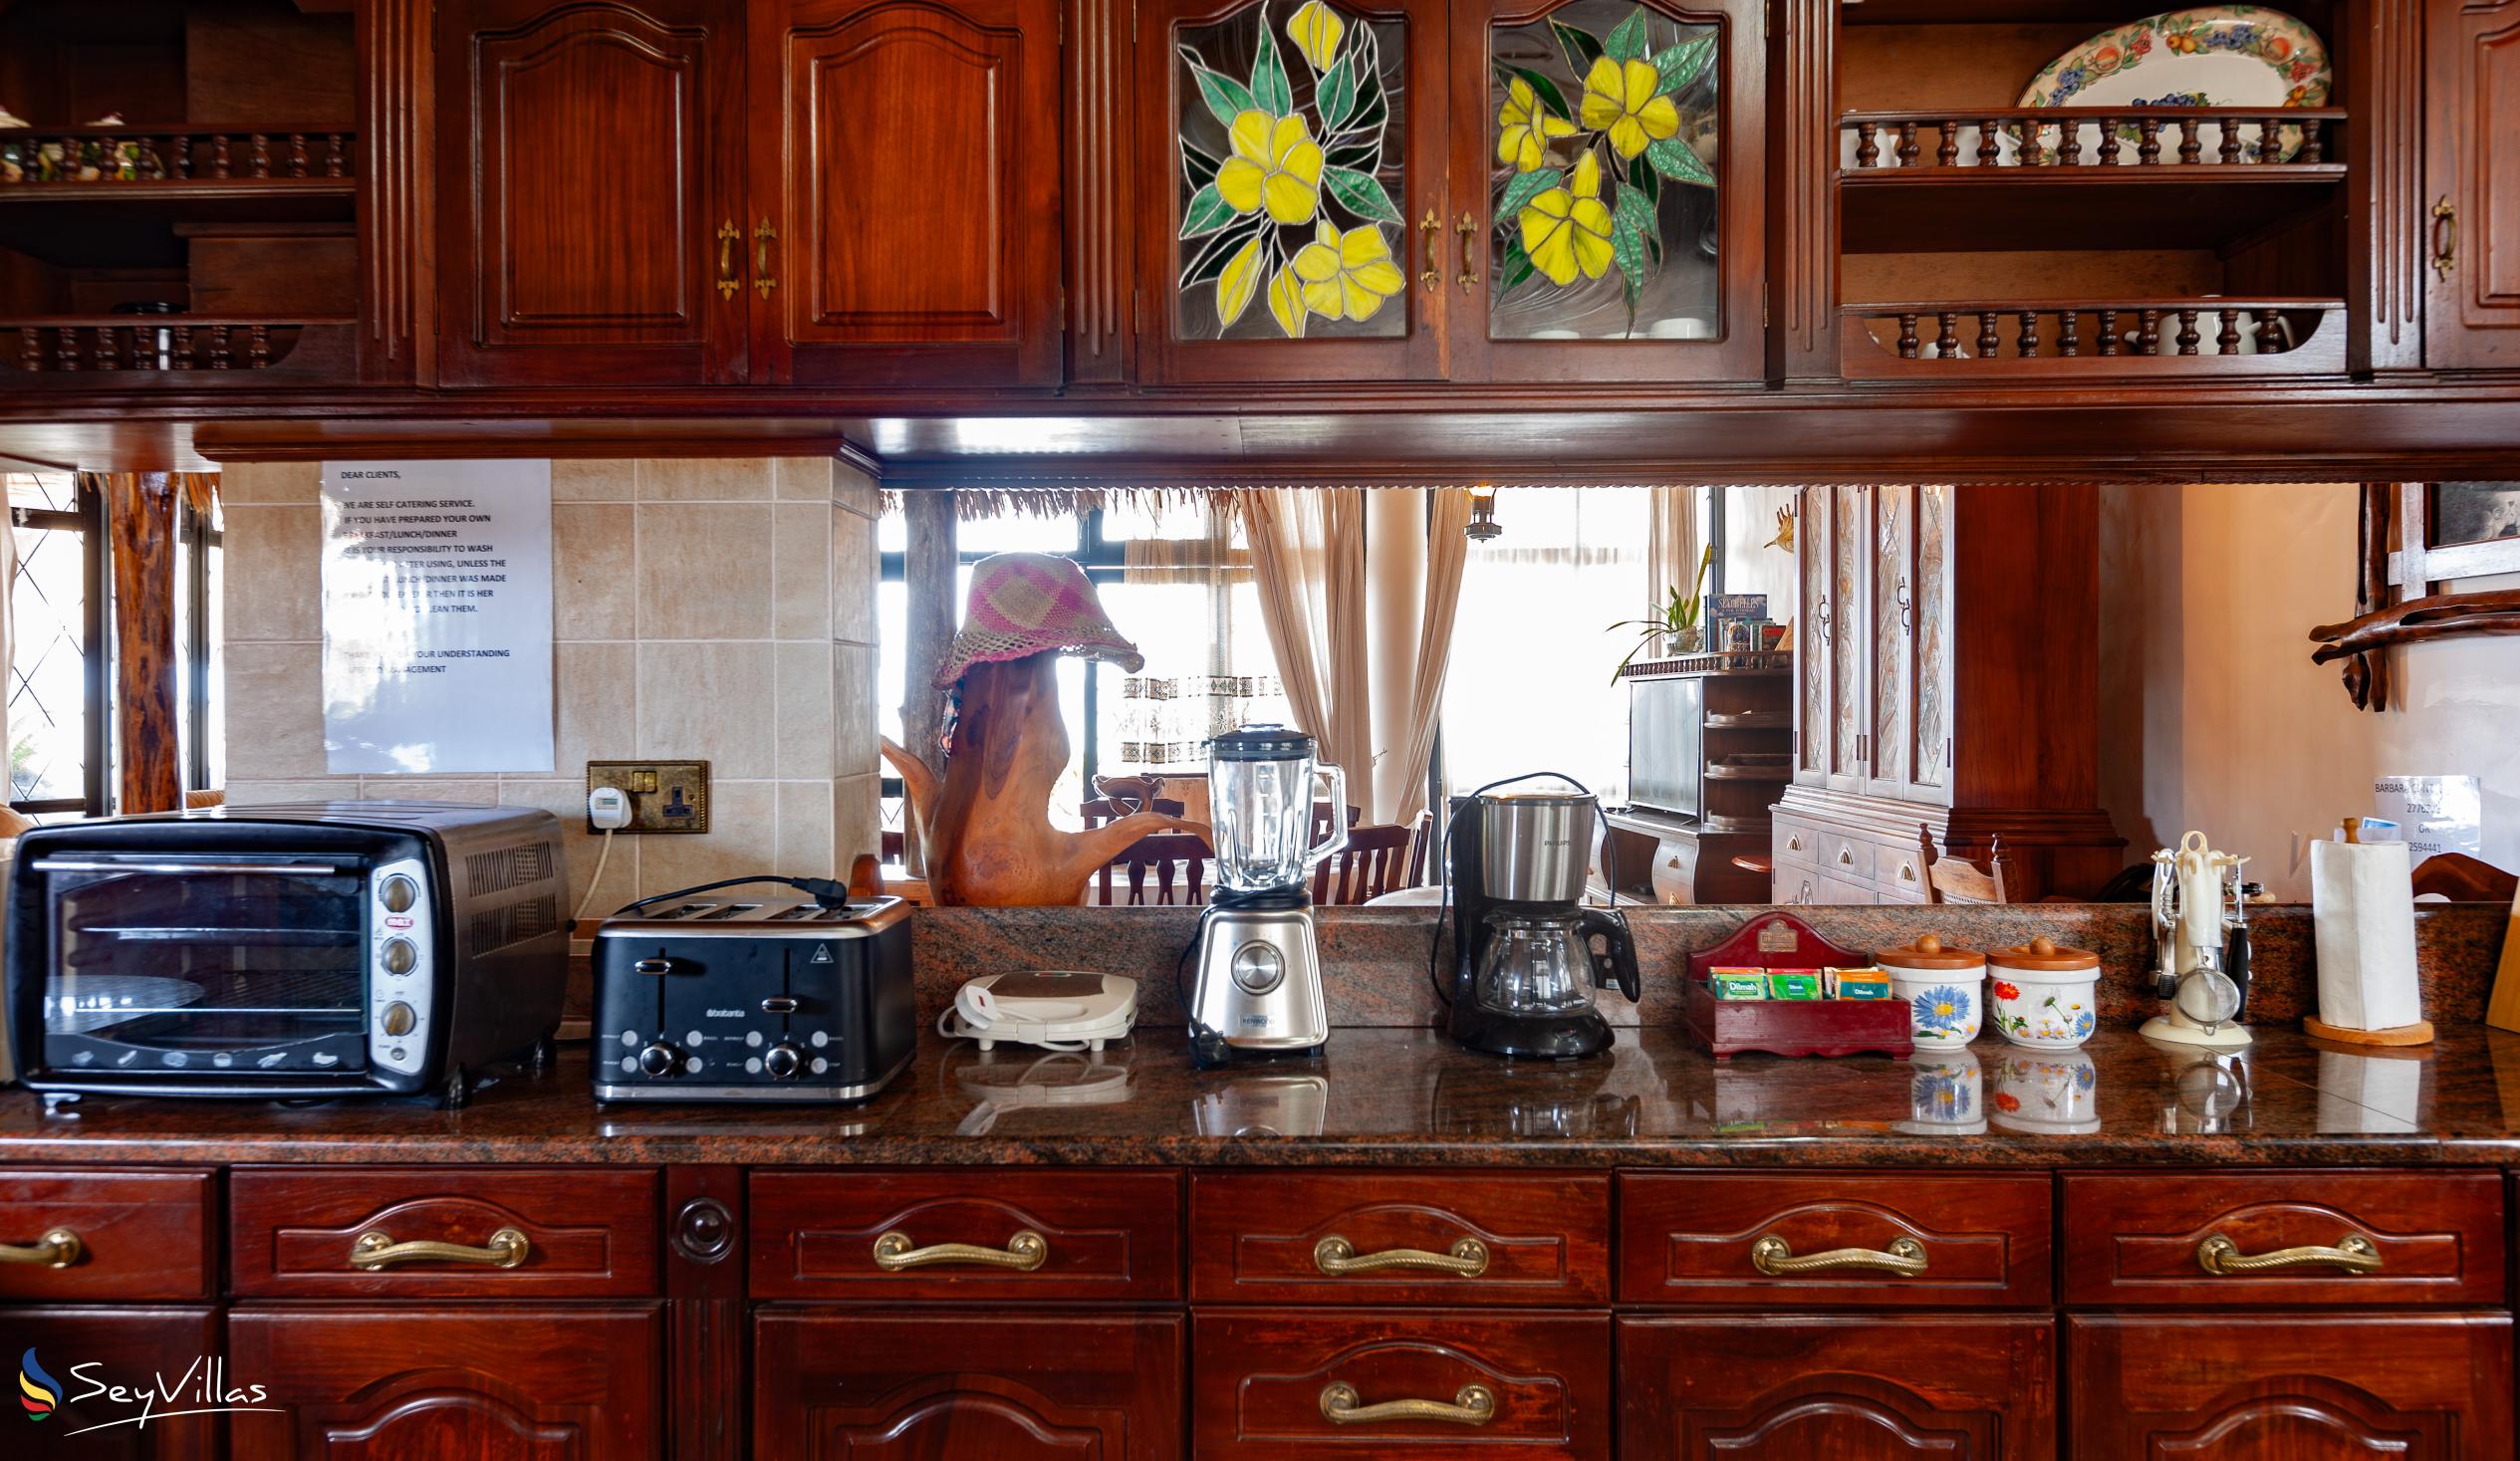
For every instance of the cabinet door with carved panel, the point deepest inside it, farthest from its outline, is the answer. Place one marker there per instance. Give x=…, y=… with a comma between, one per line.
x=903, y=1386
x=1924, y=756
x=1617, y=151
x=1294, y=214
x=2308, y=1386
x=2472, y=316
x=1815, y=678
x=1801, y=1388
x=588, y=192
x=488, y=1383
x=1890, y=636
x=65, y=1353
x=905, y=187
x=1849, y=552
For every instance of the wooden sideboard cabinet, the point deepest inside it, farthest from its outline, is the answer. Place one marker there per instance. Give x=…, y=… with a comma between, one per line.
x=1945, y=682
x=690, y=193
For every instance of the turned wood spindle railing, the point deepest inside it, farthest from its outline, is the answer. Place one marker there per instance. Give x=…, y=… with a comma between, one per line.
x=1888, y=144
x=142, y=156
x=70, y=346
x=2053, y=331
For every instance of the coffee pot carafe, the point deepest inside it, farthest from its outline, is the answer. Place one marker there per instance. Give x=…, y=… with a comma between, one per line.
x=1527, y=955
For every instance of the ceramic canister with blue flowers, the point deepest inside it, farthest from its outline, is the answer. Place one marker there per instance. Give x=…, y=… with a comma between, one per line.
x=1942, y=986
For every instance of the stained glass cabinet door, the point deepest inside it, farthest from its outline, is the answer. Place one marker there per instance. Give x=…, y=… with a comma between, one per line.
x=1292, y=191
x=1613, y=155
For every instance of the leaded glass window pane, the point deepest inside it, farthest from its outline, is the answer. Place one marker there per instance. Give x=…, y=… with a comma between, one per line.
x=1290, y=136
x=1602, y=123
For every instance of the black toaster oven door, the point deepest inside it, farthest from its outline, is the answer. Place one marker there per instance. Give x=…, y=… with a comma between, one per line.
x=217, y=964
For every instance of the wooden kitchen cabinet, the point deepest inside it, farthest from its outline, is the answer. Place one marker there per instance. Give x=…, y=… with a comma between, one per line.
x=489, y=1382
x=1333, y=1238
x=2472, y=254
x=1770, y=1387
x=295, y=1234
x=904, y=1386
x=2308, y=1386
x=590, y=192
x=80, y=1347
x=140, y=1234
x=904, y=217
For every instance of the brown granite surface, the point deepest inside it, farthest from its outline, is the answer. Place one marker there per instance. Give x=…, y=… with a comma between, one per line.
x=1409, y=1096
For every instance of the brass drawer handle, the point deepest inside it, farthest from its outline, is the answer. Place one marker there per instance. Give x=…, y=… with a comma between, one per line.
x=1337, y=1258
x=1468, y=228
x=1024, y=1252
x=58, y=1248
x=1471, y=1405
x=728, y=235
x=376, y=1249
x=2446, y=236
x=1430, y=232
x=761, y=238
x=1774, y=1257
x=2353, y=1253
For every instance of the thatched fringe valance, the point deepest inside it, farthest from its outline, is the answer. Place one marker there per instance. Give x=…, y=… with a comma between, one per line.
x=982, y=504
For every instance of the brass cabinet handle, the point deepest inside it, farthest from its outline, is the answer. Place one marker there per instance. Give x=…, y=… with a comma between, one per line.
x=376, y=1249
x=1337, y=1258
x=58, y=1248
x=761, y=240
x=1429, y=234
x=1774, y=1257
x=1024, y=1252
x=728, y=235
x=2446, y=236
x=2353, y=1253
x=1471, y=1405
x=1845, y=856
x=1794, y=843
x=1468, y=228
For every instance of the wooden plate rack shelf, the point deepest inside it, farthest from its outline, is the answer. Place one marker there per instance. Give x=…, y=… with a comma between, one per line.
x=190, y=346
x=2089, y=145
x=94, y=163
x=2026, y=338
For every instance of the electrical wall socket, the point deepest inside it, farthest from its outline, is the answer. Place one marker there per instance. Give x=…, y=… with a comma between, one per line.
x=665, y=796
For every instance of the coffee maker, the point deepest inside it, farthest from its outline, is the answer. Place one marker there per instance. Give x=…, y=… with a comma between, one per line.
x=1525, y=963
x=1258, y=991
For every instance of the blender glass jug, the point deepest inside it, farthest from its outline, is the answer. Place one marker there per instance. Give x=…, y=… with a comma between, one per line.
x=1260, y=790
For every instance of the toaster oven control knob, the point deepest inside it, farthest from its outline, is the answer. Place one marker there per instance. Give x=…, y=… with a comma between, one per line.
x=660, y=1059
x=399, y=894
x=401, y=956
x=784, y=1061
x=398, y=1018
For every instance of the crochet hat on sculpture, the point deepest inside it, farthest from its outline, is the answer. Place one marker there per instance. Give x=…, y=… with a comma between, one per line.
x=1027, y=603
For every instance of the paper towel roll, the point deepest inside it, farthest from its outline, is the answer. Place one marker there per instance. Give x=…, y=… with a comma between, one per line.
x=2363, y=901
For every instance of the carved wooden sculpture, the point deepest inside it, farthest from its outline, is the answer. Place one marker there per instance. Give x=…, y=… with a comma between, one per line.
x=986, y=821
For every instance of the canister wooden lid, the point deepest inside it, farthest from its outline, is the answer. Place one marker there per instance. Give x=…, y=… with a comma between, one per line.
x=1931, y=952
x=2046, y=955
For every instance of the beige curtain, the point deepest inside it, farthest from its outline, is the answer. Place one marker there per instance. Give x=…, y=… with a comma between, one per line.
x=1447, y=548
x=1673, y=548
x=1308, y=553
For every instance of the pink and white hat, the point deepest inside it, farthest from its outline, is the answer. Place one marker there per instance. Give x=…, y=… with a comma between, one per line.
x=1027, y=603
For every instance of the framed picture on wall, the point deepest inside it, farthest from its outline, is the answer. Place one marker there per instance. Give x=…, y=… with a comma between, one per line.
x=2454, y=530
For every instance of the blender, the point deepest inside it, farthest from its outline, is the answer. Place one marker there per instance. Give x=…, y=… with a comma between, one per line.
x=1527, y=955
x=1258, y=991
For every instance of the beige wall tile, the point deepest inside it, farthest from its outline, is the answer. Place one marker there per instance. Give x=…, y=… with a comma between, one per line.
x=567, y=799
x=742, y=839
x=594, y=479
x=599, y=704
x=272, y=567
x=479, y=791
x=857, y=822
x=856, y=568
x=805, y=829
x=705, y=479
x=852, y=709
x=242, y=482
x=266, y=792
x=594, y=589
x=853, y=489
x=708, y=702
x=803, y=478
x=705, y=570
x=275, y=711
x=801, y=570
x=803, y=724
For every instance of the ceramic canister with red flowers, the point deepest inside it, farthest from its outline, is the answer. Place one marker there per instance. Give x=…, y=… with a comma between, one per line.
x=1940, y=984
x=2043, y=995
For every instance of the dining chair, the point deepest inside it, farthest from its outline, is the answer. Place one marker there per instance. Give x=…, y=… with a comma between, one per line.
x=1099, y=810
x=1951, y=880
x=2464, y=879
x=1369, y=866
x=1176, y=861
x=1421, y=845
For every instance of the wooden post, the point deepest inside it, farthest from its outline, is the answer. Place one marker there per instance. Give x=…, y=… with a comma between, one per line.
x=930, y=578
x=141, y=518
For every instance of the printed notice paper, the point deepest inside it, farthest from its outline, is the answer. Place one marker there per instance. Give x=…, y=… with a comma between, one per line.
x=437, y=617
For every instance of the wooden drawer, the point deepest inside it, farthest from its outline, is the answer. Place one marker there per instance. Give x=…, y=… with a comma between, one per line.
x=1315, y=1238
x=141, y=1234
x=1898, y=871
x=1113, y=1235
x=1694, y=1238
x=2142, y=1237
x=1840, y=891
x=1797, y=843
x=1796, y=886
x=1263, y=1382
x=588, y=1231
x=1849, y=858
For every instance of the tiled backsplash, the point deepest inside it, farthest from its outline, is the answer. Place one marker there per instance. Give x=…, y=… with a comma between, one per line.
x=719, y=609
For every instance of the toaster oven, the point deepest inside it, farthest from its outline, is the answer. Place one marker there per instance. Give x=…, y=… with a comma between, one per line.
x=331, y=948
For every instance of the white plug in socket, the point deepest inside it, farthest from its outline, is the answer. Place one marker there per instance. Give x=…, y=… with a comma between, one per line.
x=609, y=808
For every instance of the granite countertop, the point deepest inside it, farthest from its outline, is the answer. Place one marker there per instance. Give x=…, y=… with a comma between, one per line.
x=1404, y=1096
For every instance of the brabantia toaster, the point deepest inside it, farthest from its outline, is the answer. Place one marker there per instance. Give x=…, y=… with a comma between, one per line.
x=716, y=998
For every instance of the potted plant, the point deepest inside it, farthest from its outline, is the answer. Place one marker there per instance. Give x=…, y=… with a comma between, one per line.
x=1680, y=625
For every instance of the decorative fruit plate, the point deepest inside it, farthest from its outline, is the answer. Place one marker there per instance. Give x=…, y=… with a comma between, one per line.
x=2215, y=56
